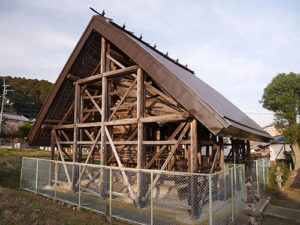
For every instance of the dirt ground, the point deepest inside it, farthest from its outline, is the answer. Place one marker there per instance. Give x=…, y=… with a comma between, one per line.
x=289, y=197
x=22, y=207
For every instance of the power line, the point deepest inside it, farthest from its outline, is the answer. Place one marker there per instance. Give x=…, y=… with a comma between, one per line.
x=260, y=113
x=4, y=93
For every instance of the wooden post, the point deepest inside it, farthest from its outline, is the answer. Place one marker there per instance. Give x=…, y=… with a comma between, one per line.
x=248, y=150
x=77, y=110
x=52, y=158
x=104, y=106
x=158, y=133
x=194, y=194
x=207, y=156
x=103, y=151
x=222, y=177
x=222, y=164
x=140, y=148
x=237, y=150
x=52, y=146
x=233, y=151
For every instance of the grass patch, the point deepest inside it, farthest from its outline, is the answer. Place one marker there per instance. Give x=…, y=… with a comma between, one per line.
x=21, y=207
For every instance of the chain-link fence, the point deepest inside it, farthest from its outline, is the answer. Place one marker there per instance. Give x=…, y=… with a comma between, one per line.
x=140, y=196
x=257, y=171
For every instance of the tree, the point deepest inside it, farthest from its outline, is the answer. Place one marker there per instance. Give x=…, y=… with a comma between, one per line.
x=24, y=130
x=282, y=96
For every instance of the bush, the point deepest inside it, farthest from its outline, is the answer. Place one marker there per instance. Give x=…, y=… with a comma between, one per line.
x=284, y=168
x=24, y=130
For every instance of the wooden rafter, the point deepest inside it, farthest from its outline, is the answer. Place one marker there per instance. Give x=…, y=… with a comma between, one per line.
x=61, y=156
x=167, y=160
x=122, y=100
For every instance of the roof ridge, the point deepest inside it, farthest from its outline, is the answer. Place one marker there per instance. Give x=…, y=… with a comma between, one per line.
x=130, y=33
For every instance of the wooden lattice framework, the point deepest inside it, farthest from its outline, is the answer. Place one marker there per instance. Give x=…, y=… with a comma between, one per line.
x=109, y=102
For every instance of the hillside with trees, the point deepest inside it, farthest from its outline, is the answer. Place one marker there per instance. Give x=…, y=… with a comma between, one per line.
x=27, y=97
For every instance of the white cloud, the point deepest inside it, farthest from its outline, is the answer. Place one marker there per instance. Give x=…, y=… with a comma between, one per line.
x=236, y=47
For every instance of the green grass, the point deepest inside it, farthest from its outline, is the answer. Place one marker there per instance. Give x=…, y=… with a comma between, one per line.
x=22, y=207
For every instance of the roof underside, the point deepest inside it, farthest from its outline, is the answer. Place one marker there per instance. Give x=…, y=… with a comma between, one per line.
x=208, y=106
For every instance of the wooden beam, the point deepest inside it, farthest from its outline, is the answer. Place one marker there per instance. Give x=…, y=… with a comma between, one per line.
x=140, y=114
x=120, y=164
x=194, y=168
x=194, y=145
x=77, y=109
x=152, y=119
x=222, y=163
x=171, y=138
x=167, y=160
x=115, y=61
x=65, y=135
x=90, y=154
x=119, y=72
x=94, y=102
x=52, y=146
x=122, y=100
x=248, y=150
x=69, y=111
x=61, y=156
x=128, y=142
x=217, y=149
x=134, y=133
x=141, y=154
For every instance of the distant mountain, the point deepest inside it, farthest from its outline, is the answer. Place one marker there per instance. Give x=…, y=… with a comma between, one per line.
x=27, y=97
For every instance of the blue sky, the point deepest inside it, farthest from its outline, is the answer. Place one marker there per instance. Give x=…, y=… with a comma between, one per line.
x=235, y=46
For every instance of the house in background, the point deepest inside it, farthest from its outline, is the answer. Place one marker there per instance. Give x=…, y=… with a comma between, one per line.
x=276, y=149
x=272, y=130
x=12, y=122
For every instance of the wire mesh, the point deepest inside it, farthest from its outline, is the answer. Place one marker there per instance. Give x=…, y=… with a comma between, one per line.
x=258, y=171
x=141, y=196
x=28, y=174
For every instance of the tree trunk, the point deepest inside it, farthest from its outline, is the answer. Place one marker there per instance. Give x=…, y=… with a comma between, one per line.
x=296, y=158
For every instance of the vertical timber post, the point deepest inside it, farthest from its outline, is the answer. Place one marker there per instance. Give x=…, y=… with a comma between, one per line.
x=140, y=147
x=52, y=158
x=222, y=166
x=194, y=195
x=77, y=110
x=103, y=153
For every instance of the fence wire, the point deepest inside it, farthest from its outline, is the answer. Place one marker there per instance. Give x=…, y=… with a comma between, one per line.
x=257, y=171
x=140, y=196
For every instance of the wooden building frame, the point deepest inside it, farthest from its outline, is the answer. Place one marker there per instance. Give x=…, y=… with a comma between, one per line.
x=132, y=106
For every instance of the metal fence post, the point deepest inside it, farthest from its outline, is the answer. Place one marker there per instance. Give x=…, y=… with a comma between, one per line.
x=36, y=175
x=79, y=181
x=55, y=182
x=257, y=182
x=21, y=176
x=232, y=201
x=225, y=184
x=210, y=199
x=151, y=198
x=110, y=191
x=264, y=179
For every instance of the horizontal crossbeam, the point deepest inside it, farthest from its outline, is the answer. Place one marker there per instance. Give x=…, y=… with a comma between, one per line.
x=98, y=77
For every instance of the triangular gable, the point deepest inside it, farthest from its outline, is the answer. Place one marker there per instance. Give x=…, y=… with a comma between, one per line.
x=203, y=102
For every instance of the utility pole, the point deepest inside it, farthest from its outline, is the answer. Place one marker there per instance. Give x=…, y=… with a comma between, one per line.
x=4, y=93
